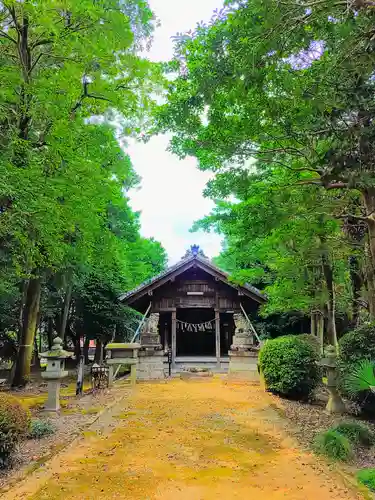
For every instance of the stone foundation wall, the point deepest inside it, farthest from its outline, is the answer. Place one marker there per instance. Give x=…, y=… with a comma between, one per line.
x=150, y=365
x=243, y=364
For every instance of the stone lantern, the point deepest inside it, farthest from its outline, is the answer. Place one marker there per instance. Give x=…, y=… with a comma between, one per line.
x=329, y=363
x=54, y=373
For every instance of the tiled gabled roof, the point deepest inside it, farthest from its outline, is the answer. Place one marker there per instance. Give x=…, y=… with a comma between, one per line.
x=205, y=263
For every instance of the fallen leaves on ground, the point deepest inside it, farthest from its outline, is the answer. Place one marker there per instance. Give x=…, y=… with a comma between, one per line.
x=196, y=440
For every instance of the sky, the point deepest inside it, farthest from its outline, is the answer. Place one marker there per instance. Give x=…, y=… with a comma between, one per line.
x=170, y=198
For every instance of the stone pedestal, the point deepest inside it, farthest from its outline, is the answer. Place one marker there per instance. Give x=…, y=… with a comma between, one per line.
x=53, y=399
x=329, y=363
x=150, y=365
x=122, y=354
x=151, y=354
x=243, y=354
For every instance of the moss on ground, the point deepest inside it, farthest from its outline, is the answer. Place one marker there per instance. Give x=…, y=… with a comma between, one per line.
x=184, y=441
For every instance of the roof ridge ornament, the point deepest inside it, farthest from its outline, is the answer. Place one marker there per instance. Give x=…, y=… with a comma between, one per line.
x=194, y=251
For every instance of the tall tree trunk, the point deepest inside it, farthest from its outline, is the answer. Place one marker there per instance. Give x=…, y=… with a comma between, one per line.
x=24, y=287
x=368, y=196
x=65, y=310
x=86, y=350
x=30, y=319
x=331, y=302
x=50, y=332
x=320, y=330
x=368, y=276
x=98, y=352
x=357, y=281
x=77, y=346
x=313, y=325
x=36, y=362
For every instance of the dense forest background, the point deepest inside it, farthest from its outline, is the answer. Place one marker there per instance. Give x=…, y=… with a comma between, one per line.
x=277, y=99
x=73, y=85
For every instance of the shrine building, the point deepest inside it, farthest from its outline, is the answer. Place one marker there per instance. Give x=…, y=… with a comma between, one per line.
x=196, y=305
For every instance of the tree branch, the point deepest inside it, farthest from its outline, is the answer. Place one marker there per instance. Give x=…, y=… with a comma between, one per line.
x=337, y=185
x=36, y=61
x=5, y=35
x=301, y=169
x=352, y=216
x=86, y=95
x=333, y=185
x=365, y=218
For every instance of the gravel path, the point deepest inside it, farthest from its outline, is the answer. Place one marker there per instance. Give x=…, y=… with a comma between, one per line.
x=195, y=440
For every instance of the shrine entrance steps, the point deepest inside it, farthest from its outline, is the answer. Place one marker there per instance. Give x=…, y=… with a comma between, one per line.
x=186, y=362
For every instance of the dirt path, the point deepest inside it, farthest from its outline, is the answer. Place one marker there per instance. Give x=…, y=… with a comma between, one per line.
x=196, y=440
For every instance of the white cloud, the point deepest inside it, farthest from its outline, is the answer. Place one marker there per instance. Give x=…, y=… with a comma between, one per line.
x=170, y=198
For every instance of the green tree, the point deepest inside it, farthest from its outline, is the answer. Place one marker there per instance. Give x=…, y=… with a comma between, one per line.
x=67, y=70
x=288, y=86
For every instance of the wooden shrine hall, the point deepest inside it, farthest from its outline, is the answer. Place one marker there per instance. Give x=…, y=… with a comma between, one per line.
x=196, y=302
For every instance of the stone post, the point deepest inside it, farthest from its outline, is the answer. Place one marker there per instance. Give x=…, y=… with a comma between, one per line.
x=55, y=371
x=151, y=354
x=243, y=354
x=329, y=363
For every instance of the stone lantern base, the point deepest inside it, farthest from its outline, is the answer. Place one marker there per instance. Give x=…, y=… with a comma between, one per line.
x=53, y=400
x=151, y=354
x=243, y=354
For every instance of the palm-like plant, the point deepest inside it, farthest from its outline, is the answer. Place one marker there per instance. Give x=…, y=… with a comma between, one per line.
x=361, y=378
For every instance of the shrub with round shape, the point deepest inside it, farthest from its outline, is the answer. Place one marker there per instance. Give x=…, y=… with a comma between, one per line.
x=14, y=423
x=358, y=433
x=333, y=445
x=367, y=477
x=41, y=428
x=312, y=340
x=355, y=346
x=289, y=367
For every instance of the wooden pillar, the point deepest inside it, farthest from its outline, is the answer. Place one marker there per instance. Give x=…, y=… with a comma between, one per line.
x=166, y=340
x=174, y=343
x=217, y=336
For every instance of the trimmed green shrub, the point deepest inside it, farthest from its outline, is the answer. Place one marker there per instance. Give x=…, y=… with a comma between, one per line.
x=354, y=347
x=358, y=433
x=367, y=477
x=333, y=445
x=289, y=367
x=41, y=428
x=14, y=423
x=312, y=340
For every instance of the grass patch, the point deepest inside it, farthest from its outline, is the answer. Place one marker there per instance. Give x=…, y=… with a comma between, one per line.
x=333, y=445
x=90, y=411
x=357, y=432
x=367, y=478
x=89, y=434
x=125, y=415
x=70, y=390
x=260, y=443
x=33, y=401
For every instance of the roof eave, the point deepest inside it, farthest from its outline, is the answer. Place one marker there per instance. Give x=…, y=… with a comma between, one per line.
x=132, y=296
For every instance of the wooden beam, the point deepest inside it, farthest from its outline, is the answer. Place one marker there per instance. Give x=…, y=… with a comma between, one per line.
x=174, y=338
x=217, y=336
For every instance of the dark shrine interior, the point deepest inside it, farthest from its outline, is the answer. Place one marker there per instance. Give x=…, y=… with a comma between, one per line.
x=197, y=343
